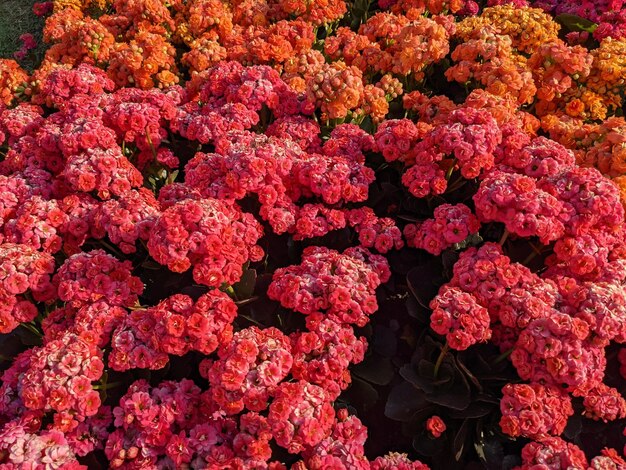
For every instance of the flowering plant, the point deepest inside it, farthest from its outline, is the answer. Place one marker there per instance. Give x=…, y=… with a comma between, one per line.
x=311, y=235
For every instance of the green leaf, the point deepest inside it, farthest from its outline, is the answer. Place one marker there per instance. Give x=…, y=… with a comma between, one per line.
x=459, y=440
x=361, y=395
x=576, y=23
x=245, y=287
x=375, y=369
x=404, y=401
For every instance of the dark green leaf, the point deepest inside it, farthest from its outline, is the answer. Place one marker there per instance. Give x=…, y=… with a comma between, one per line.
x=576, y=23
x=245, y=287
x=385, y=341
x=490, y=451
x=428, y=446
x=375, y=369
x=573, y=428
x=476, y=409
x=361, y=395
x=458, y=446
x=404, y=401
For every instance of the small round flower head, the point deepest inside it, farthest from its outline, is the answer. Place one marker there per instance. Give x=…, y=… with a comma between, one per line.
x=395, y=138
x=127, y=219
x=469, y=135
x=214, y=237
x=380, y=233
x=59, y=378
x=397, y=461
x=105, y=172
x=555, y=349
x=152, y=422
x=524, y=208
x=23, y=269
x=458, y=316
x=316, y=220
x=435, y=426
x=424, y=179
x=608, y=459
x=134, y=344
x=604, y=403
x=183, y=325
x=91, y=276
x=539, y=158
x=591, y=201
x=552, y=453
x=249, y=369
x=336, y=89
x=323, y=354
x=62, y=84
x=534, y=411
x=300, y=416
x=23, y=448
x=341, y=285
x=452, y=224
x=343, y=449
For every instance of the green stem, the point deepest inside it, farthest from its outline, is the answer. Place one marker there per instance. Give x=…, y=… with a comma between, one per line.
x=503, y=356
x=451, y=169
x=505, y=235
x=230, y=291
x=107, y=386
x=442, y=354
x=32, y=328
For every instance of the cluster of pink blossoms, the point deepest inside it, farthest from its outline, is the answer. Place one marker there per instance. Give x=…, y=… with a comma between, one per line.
x=214, y=237
x=22, y=270
x=87, y=277
x=249, y=369
x=59, y=379
x=452, y=224
x=458, y=316
x=534, y=410
x=341, y=285
x=88, y=164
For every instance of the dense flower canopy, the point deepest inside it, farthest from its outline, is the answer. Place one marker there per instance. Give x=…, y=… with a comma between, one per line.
x=271, y=234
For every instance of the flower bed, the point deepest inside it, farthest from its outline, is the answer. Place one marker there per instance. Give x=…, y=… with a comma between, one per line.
x=315, y=235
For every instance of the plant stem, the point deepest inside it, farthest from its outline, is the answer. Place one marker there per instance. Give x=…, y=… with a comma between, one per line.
x=230, y=291
x=505, y=235
x=33, y=329
x=503, y=356
x=451, y=169
x=442, y=354
x=106, y=386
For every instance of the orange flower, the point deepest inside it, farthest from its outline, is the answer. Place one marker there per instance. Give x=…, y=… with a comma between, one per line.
x=336, y=89
x=417, y=45
x=375, y=104
x=205, y=52
x=527, y=27
x=13, y=80
x=318, y=12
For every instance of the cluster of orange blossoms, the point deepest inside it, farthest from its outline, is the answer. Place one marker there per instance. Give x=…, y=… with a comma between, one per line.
x=516, y=53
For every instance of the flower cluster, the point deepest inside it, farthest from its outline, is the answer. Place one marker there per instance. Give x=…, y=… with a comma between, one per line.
x=189, y=193
x=452, y=224
x=249, y=369
x=341, y=285
x=213, y=236
x=87, y=277
x=458, y=316
x=59, y=378
x=534, y=410
x=23, y=270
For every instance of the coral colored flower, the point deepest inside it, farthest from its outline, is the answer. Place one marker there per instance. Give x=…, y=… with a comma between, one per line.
x=435, y=426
